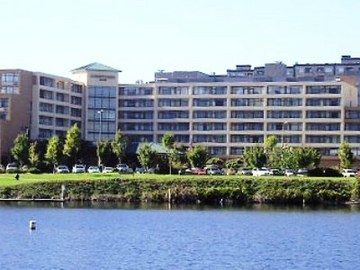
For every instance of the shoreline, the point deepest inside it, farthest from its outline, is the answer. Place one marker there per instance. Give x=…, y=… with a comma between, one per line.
x=190, y=190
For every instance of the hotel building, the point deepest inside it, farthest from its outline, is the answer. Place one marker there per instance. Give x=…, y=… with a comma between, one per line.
x=314, y=105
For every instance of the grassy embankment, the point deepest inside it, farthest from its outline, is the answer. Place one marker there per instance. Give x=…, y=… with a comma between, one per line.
x=184, y=189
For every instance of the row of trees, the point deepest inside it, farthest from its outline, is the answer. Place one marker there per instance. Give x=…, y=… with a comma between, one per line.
x=175, y=155
x=68, y=151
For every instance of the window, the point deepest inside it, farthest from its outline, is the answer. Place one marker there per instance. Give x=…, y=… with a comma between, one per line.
x=100, y=103
x=322, y=138
x=246, y=90
x=136, y=126
x=102, y=91
x=352, y=138
x=46, y=107
x=46, y=120
x=209, y=90
x=173, y=102
x=323, y=102
x=352, y=126
x=60, y=85
x=10, y=78
x=46, y=81
x=323, y=114
x=247, y=126
x=288, y=138
x=179, y=138
x=9, y=90
x=323, y=89
x=76, y=100
x=209, y=114
x=173, y=114
x=62, y=97
x=242, y=138
x=240, y=102
x=62, y=109
x=173, y=126
x=247, y=114
x=287, y=102
x=46, y=94
x=209, y=138
x=136, y=115
x=323, y=126
x=45, y=133
x=75, y=112
x=352, y=114
x=180, y=90
x=76, y=88
x=61, y=122
x=284, y=126
x=236, y=151
x=136, y=103
x=135, y=91
x=280, y=90
x=209, y=126
x=217, y=150
x=209, y=102
x=284, y=114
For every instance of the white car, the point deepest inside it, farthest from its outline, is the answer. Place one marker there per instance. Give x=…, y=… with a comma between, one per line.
x=261, y=172
x=245, y=171
x=62, y=169
x=348, y=173
x=214, y=171
x=12, y=168
x=78, y=168
x=123, y=168
x=93, y=169
x=289, y=172
x=108, y=170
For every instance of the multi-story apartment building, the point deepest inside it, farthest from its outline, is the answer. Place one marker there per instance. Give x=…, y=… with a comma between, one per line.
x=313, y=105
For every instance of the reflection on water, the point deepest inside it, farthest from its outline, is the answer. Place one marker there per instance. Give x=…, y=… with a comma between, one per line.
x=165, y=206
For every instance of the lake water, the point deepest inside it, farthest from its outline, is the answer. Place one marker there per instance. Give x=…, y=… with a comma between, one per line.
x=127, y=237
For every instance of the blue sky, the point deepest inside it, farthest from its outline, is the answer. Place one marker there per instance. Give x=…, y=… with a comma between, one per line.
x=142, y=36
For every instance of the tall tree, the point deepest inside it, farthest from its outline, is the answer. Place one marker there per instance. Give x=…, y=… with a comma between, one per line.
x=270, y=143
x=198, y=156
x=104, y=153
x=345, y=155
x=53, y=151
x=118, y=145
x=20, y=150
x=146, y=155
x=34, y=156
x=215, y=161
x=168, y=141
x=72, y=143
x=255, y=156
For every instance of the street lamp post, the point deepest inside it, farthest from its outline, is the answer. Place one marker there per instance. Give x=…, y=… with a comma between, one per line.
x=100, y=112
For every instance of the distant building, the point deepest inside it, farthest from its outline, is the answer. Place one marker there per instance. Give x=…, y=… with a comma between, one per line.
x=313, y=105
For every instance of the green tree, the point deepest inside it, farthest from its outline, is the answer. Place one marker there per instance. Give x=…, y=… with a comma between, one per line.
x=53, y=153
x=104, y=153
x=168, y=141
x=234, y=164
x=270, y=143
x=274, y=157
x=215, y=161
x=345, y=155
x=198, y=156
x=34, y=156
x=255, y=156
x=20, y=150
x=72, y=143
x=118, y=145
x=308, y=157
x=146, y=155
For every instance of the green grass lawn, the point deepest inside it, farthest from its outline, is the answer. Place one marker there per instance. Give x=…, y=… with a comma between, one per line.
x=9, y=179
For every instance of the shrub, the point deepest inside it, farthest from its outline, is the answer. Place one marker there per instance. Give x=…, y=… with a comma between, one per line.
x=34, y=170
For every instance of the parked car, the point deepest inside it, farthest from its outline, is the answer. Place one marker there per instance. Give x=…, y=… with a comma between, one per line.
x=245, y=171
x=348, y=173
x=140, y=170
x=276, y=172
x=289, y=172
x=93, y=169
x=108, y=170
x=78, y=168
x=261, y=172
x=199, y=171
x=12, y=168
x=122, y=168
x=302, y=172
x=214, y=171
x=62, y=169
